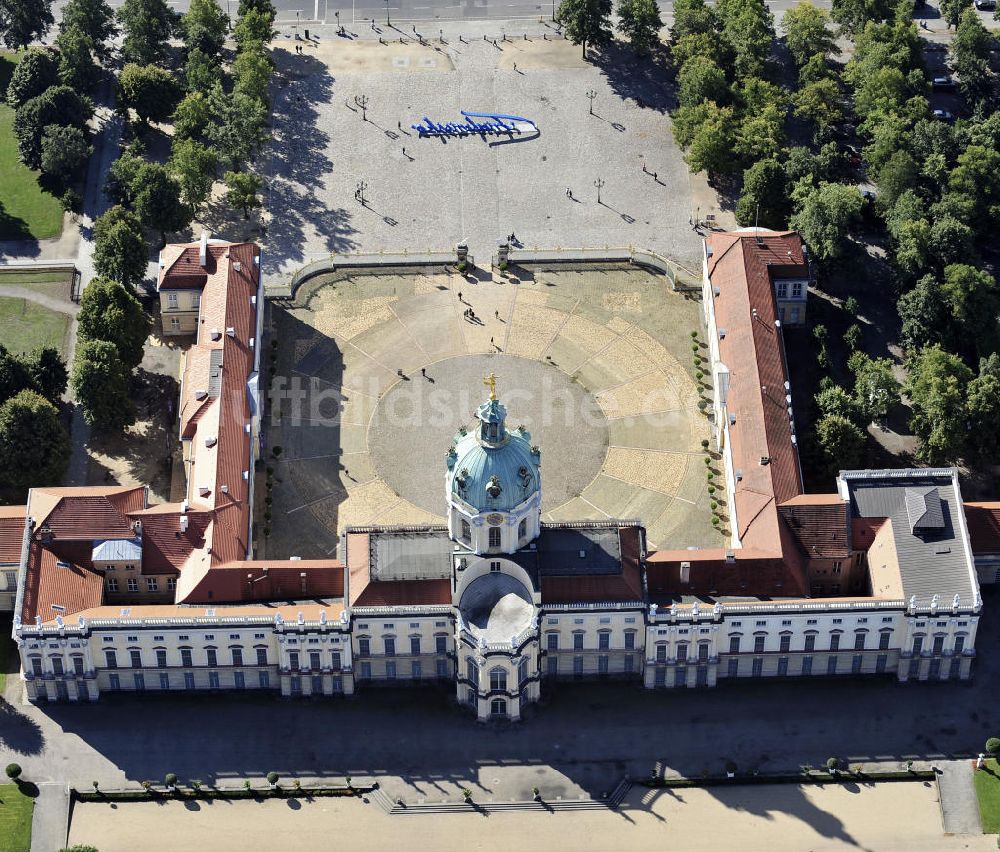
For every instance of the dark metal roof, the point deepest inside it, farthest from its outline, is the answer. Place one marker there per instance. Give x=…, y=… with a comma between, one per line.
x=934, y=555
x=410, y=554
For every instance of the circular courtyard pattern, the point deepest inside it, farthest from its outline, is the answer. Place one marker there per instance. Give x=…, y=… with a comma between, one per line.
x=375, y=371
x=416, y=419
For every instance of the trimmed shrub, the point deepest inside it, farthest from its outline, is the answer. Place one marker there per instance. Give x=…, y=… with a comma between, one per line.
x=13, y=771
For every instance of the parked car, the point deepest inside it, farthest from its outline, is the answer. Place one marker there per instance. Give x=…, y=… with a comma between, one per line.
x=986, y=5
x=942, y=83
x=943, y=115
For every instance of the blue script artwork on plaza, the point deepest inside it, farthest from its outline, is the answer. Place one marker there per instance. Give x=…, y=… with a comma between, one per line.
x=496, y=124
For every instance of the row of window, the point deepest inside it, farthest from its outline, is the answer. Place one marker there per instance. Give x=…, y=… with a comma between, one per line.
x=172, y=300
x=498, y=674
x=132, y=584
x=211, y=658
x=389, y=646
x=603, y=641
x=808, y=643
x=494, y=533
x=139, y=681
x=442, y=669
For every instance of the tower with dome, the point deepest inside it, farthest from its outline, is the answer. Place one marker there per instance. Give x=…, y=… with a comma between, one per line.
x=493, y=483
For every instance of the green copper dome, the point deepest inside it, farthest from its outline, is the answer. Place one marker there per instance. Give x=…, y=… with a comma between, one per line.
x=493, y=469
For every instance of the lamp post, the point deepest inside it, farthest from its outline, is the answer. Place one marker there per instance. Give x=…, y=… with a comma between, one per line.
x=362, y=103
x=599, y=183
x=591, y=94
x=388, y=23
x=359, y=193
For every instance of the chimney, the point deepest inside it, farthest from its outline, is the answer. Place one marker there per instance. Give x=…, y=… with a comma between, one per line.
x=238, y=266
x=302, y=576
x=184, y=523
x=211, y=441
x=203, y=250
x=231, y=331
x=216, y=334
x=200, y=394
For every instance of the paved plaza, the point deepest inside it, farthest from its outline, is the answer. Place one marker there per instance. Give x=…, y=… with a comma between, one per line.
x=383, y=369
x=429, y=193
x=832, y=817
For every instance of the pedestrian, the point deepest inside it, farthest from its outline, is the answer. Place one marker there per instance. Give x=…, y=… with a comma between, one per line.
x=645, y=171
x=496, y=313
x=491, y=342
x=569, y=192
x=513, y=238
x=423, y=372
x=404, y=150
x=373, y=23
x=655, y=177
x=515, y=66
x=399, y=125
x=460, y=295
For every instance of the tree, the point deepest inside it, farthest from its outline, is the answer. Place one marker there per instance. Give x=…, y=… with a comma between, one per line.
x=586, y=21
x=120, y=250
x=924, y=314
x=821, y=104
x=823, y=217
x=158, y=200
x=852, y=15
x=48, y=374
x=34, y=445
x=100, y=384
x=194, y=166
x=110, y=313
x=842, y=443
x=191, y=116
x=56, y=105
x=971, y=51
x=984, y=409
x=807, y=32
x=252, y=71
x=936, y=385
x=64, y=151
x=205, y=25
x=898, y=175
x=951, y=240
x=77, y=67
x=761, y=134
x=147, y=25
x=94, y=18
x=241, y=191
x=14, y=375
x=992, y=746
x=765, y=195
x=150, y=90
x=700, y=79
x=973, y=298
x=13, y=771
x=951, y=10
x=264, y=6
x=120, y=184
x=834, y=401
x=237, y=127
x=875, y=387
x=201, y=71
x=749, y=28
x=254, y=25
x=641, y=23
x=24, y=21
x=36, y=71
x=711, y=146
x=693, y=17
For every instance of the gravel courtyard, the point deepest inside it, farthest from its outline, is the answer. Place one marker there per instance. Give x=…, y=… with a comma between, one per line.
x=430, y=193
x=884, y=817
x=376, y=373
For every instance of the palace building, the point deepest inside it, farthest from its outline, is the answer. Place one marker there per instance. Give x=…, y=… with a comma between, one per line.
x=878, y=577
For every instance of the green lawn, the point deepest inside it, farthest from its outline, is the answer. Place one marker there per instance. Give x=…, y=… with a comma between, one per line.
x=25, y=326
x=988, y=792
x=26, y=211
x=15, y=819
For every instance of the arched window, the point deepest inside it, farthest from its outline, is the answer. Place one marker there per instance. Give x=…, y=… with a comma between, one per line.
x=494, y=536
x=522, y=529
x=498, y=678
x=466, y=531
x=498, y=707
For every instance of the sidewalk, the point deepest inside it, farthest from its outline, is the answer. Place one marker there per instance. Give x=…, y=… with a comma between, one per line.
x=50, y=821
x=959, y=806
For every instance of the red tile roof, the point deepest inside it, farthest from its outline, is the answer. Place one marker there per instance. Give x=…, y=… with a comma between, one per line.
x=165, y=548
x=86, y=513
x=983, y=520
x=820, y=524
x=750, y=573
x=403, y=593
x=49, y=584
x=182, y=269
x=742, y=268
x=267, y=580
x=595, y=588
x=11, y=533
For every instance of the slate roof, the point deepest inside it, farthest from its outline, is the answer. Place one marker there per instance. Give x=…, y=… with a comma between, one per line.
x=117, y=550
x=933, y=559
